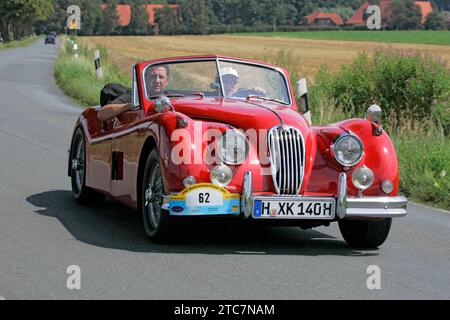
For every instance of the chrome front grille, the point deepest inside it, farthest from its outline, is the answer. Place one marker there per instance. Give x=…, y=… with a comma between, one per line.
x=287, y=158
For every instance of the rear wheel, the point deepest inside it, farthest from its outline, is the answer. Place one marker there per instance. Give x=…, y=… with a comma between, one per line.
x=152, y=197
x=80, y=192
x=365, y=234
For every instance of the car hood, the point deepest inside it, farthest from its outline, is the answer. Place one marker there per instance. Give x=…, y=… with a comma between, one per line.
x=241, y=114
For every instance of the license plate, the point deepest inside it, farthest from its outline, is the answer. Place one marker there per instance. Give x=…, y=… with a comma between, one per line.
x=305, y=208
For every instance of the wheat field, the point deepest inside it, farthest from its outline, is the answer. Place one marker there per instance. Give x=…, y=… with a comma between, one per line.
x=308, y=55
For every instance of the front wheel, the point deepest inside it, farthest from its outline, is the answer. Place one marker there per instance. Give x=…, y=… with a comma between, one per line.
x=365, y=234
x=152, y=198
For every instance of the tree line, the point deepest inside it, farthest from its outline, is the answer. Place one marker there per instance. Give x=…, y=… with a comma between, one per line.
x=20, y=18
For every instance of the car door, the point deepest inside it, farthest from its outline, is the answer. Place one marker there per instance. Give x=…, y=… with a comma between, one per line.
x=129, y=137
x=100, y=137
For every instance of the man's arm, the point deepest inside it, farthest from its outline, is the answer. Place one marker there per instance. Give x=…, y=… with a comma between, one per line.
x=112, y=110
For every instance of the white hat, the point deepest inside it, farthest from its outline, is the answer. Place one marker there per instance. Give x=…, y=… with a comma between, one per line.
x=229, y=71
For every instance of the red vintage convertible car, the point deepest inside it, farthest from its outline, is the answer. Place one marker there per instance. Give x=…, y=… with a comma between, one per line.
x=220, y=136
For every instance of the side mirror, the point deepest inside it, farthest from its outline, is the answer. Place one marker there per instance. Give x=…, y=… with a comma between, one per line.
x=163, y=104
x=302, y=88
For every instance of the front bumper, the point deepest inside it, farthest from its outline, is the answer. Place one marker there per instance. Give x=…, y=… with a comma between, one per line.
x=346, y=207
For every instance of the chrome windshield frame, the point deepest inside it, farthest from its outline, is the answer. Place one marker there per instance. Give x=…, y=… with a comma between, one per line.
x=217, y=61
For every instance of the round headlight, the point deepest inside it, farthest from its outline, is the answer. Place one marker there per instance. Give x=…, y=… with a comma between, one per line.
x=348, y=150
x=233, y=147
x=221, y=175
x=362, y=178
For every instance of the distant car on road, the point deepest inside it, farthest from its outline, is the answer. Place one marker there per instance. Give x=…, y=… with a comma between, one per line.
x=225, y=137
x=50, y=39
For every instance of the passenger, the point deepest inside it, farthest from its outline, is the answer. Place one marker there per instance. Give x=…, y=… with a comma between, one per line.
x=230, y=80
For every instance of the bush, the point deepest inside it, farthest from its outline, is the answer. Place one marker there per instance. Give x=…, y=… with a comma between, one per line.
x=405, y=85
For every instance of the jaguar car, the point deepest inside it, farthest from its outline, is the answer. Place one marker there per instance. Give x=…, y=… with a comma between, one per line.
x=214, y=136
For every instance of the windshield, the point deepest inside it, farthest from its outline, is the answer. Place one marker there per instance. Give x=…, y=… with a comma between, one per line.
x=216, y=78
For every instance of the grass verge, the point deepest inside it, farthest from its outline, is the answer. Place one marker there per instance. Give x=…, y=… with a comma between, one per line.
x=424, y=168
x=18, y=44
x=416, y=36
x=77, y=78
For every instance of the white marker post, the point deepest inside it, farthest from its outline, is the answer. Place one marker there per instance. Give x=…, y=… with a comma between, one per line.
x=98, y=68
x=75, y=50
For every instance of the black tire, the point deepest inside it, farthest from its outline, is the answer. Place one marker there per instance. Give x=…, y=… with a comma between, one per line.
x=365, y=234
x=81, y=193
x=156, y=220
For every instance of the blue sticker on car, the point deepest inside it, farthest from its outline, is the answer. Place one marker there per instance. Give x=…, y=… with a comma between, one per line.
x=257, y=208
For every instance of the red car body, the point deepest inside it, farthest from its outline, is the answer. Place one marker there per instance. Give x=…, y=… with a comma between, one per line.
x=117, y=150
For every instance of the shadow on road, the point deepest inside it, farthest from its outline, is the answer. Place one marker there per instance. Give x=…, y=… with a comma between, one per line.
x=112, y=225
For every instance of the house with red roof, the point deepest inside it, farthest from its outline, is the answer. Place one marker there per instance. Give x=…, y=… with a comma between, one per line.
x=425, y=8
x=322, y=19
x=360, y=16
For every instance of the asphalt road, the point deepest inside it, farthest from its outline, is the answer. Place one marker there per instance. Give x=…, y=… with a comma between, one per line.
x=42, y=230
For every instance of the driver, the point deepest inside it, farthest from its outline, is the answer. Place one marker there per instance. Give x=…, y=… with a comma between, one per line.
x=157, y=80
x=230, y=80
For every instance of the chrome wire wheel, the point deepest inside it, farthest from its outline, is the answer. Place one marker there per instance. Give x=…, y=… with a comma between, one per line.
x=156, y=219
x=154, y=196
x=78, y=166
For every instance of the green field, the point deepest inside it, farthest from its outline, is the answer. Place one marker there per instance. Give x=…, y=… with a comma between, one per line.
x=416, y=37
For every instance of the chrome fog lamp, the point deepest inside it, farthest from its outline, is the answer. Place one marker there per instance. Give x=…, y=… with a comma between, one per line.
x=348, y=150
x=221, y=175
x=387, y=186
x=374, y=113
x=363, y=178
x=189, y=181
x=233, y=147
